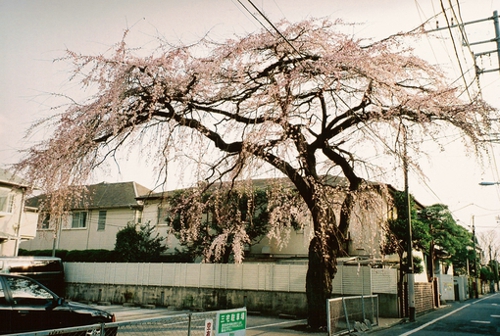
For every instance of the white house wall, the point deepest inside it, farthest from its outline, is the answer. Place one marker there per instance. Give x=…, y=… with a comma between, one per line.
x=297, y=244
x=84, y=238
x=10, y=222
x=29, y=224
x=116, y=219
x=150, y=214
x=43, y=241
x=366, y=228
x=365, y=233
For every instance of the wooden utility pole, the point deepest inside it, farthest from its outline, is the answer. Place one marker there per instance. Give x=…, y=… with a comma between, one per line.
x=409, y=252
x=476, y=287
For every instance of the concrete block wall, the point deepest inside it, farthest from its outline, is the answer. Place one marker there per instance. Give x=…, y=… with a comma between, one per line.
x=196, y=299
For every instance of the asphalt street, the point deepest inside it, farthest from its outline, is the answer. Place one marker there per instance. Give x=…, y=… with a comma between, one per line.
x=472, y=317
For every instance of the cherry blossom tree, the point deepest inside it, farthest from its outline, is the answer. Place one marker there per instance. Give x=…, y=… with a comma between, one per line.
x=306, y=102
x=231, y=219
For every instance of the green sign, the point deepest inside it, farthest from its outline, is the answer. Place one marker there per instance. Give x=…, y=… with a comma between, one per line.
x=232, y=322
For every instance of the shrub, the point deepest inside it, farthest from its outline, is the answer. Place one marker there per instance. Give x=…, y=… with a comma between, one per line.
x=137, y=243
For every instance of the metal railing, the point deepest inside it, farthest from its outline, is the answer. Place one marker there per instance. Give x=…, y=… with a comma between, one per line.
x=187, y=324
x=352, y=313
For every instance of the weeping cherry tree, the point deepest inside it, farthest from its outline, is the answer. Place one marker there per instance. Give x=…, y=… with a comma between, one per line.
x=307, y=102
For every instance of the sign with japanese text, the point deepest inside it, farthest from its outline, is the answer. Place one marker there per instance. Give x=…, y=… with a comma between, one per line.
x=209, y=325
x=232, y=322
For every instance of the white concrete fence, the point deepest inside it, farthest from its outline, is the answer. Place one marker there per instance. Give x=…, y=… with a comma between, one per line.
x=350, y=280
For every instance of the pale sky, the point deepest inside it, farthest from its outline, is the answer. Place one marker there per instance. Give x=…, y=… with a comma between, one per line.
x=33, y=33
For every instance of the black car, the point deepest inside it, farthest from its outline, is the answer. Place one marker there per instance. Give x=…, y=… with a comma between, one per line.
x=26, y=305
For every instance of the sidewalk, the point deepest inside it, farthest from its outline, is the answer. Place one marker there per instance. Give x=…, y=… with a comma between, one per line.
x=295, y=327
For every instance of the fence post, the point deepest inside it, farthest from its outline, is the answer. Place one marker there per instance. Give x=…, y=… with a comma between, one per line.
x=346, y=314
x=363, y=307
x=189, y=324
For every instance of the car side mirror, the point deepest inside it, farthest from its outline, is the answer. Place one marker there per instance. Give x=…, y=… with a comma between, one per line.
x=56, y=302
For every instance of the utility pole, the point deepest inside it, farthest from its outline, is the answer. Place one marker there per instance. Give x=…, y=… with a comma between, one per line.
x=493, y=266
x=409, y=252
x=476, y=289
x=496, y=272
x=496, y=39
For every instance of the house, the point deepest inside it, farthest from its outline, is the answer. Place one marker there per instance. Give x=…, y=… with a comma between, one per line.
x=156, y=212
x=17, y=222
x=113, y=205
x=366, y=230
x=92, y=223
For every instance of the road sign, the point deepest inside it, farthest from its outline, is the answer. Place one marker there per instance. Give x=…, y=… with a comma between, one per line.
x=232, y=322
x=209, y=325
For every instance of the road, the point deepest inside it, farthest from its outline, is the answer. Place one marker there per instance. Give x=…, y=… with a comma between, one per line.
x=473, y=317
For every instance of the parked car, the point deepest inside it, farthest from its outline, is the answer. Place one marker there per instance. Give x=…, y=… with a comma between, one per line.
x=26, y=305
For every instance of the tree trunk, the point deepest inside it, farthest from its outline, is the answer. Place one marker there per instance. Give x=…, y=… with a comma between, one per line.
x=323, y=250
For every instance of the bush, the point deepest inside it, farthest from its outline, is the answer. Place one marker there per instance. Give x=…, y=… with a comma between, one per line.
x=91, y=256
x=136, y=243
x=75, y=255
x=103, y=256
x=486, y=274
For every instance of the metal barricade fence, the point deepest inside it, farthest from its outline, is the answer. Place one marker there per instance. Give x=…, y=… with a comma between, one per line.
x=187, y=324
x=345, y=314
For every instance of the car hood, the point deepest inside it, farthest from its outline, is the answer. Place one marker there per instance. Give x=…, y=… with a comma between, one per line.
x=86, y=309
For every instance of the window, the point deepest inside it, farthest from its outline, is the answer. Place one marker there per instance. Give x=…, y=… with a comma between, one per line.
x=101, y=222
x=163, y=216
x=27, y=292
x=3, y=301
x=44, y=221
x=6, y=201
x=79, y=220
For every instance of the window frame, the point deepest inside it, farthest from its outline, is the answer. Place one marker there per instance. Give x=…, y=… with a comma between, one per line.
x=101, y=220
x=25, y=296
x=44, y=218
x=163, y=216
x=7, y=207
x=76, y=216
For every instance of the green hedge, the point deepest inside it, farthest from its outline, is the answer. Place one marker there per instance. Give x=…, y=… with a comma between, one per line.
x=75, y=255
x=98, y=256
x=43, y=253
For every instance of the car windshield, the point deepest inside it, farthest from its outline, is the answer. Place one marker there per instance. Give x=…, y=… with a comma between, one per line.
x=26, y=291
x=2, y=295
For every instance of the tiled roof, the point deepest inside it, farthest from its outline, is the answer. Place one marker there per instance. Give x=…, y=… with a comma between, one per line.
x=114, y=195
x=106, y=196
x=6, y=177
x=261, y=183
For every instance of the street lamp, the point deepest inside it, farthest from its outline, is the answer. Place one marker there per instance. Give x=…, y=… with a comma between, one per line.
x=486, y=183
